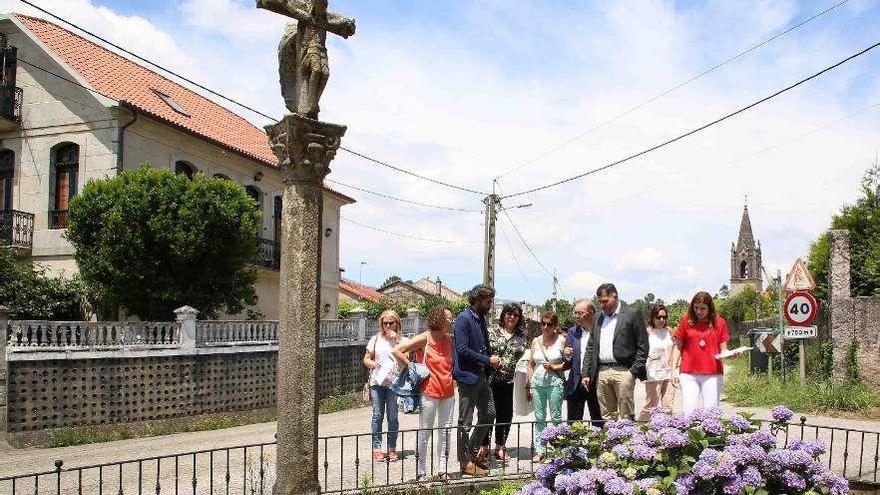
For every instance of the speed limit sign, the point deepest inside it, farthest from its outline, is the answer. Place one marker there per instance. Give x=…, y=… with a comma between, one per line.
x=801, y=308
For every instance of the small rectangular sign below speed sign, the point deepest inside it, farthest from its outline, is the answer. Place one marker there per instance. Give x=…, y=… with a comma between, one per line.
x=800, y=332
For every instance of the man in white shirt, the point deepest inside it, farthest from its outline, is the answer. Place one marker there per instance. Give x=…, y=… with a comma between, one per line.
x=615, y=355
x=576, y=341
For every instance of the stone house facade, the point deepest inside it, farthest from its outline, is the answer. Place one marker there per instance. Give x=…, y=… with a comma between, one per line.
x=85, y=112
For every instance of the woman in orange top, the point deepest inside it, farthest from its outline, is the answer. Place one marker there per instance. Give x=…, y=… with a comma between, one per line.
x=434, y=348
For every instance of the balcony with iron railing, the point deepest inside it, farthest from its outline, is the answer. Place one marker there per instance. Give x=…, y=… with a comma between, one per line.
x=268, y=255
x=16, y=229
x=10, y=107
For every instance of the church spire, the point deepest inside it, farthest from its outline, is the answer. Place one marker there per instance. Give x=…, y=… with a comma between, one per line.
x=746, y=238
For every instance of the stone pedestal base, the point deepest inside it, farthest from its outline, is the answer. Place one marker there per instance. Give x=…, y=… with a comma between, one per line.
x=304, y=148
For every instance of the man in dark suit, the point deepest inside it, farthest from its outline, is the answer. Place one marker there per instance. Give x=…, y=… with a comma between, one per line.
x=575, y=346
x=615, y=355
x=472, y=358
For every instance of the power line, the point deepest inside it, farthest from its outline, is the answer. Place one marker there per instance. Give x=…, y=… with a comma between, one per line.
x=405, y=171
x=804, y=134
x=696, y=130
x=236, y=102
x=402, y=200
x=63, y=78
x=516, y=261
x=406, y=236
x=145, y=60
x=672, y=89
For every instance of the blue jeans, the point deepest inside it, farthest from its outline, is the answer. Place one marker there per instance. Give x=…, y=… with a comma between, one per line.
x=384, y=402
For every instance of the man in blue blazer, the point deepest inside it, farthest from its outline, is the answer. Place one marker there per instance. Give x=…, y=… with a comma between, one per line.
x=576, y=343
x=472, y=358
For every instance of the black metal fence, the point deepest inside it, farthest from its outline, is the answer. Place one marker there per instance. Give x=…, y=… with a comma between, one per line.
x=347, y=465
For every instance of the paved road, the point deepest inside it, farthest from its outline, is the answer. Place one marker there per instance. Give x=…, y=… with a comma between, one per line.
x=348, y=460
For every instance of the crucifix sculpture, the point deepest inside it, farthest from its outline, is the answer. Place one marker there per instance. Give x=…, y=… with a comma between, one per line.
x=304, y=147
x=302, y=54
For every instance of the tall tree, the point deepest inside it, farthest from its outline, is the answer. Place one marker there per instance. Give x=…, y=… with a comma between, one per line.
x=153, y=241
x=391, y=280
x=862, y=220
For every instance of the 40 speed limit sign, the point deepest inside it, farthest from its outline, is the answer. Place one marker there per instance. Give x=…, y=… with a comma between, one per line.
x=801, y=308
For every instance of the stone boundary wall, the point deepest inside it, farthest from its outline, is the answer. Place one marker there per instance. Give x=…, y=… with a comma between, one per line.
x=852, y=318
x=58, y=393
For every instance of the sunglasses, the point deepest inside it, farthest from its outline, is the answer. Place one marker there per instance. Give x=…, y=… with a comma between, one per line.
x=388, y=323
x=661, y=317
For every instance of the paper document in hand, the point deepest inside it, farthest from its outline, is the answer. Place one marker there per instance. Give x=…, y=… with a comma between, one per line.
x=732, y=352
x=386, y=370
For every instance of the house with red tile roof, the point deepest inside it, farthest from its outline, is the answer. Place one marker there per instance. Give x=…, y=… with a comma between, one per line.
x=353, y=291
x=72, y=110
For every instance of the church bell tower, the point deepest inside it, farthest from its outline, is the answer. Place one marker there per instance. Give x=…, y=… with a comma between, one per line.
x=745, y=258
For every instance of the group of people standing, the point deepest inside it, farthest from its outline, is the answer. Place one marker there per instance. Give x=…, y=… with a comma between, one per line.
x=592, y=366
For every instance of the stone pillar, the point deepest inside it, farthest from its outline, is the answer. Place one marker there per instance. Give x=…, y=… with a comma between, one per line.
x=4, y=321
x=304, y=148
x=186, y=315
x=840, y=301
x=413, y=315
x=359, y=315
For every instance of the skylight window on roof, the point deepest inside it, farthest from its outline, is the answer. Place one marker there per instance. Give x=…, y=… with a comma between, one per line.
x=171, y=103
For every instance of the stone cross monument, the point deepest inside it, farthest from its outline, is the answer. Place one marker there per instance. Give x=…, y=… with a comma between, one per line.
x=304, y=147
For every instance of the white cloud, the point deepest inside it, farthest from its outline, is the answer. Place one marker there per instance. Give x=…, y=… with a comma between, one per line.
x=646, y=259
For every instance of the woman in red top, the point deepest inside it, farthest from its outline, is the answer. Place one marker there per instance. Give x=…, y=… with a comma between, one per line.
x=434, y=348
x=701, y=335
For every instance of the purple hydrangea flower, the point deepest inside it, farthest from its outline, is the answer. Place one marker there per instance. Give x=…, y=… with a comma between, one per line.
x=739, y=423
x=673, y=439
x=781, y=414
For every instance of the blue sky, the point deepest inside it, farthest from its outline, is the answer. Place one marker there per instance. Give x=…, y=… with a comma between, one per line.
x=466, y=90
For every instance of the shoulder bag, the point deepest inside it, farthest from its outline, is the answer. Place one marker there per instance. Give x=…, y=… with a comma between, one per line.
x=366, y=396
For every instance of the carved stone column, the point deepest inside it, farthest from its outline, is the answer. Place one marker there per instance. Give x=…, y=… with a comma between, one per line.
x=304, y=148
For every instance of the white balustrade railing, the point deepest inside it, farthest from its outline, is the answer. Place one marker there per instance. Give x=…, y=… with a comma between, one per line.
x=185, y=334
x=339, y=331
x=86, y=334
x=211, y=332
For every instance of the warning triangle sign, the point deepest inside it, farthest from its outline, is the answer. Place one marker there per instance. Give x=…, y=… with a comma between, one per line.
x=799, y=278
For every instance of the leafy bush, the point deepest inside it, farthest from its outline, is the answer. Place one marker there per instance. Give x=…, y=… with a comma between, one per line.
x=153, y=241
x=29, y=294
x=862, y=220
x=703, y=453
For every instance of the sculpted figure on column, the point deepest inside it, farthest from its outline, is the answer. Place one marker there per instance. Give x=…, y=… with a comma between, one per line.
x=302, y=54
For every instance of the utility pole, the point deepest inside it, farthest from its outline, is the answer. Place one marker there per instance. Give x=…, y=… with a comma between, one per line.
x=554, y=290
x=492, y=201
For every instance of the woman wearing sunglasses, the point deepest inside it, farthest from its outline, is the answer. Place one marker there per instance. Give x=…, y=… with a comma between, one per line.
x=546, y=384
x=384, y=369
x=659, y=390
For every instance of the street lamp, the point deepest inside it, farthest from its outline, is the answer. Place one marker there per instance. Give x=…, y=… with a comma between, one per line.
x=361, y=273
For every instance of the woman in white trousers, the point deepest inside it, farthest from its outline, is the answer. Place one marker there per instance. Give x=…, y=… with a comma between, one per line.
x=700, y=337
x=433, y=347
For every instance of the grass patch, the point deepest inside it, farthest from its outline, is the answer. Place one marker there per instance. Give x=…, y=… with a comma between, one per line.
x=340, y=403
x=66, y=437
x=506, y=488
x=817, y=396
x=81, y=435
